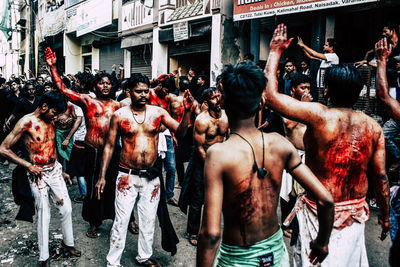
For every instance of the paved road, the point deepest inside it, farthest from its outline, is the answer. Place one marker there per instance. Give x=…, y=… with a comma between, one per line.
x=19, y=241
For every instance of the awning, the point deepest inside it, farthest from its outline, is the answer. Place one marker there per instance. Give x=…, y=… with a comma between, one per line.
x=137, y=39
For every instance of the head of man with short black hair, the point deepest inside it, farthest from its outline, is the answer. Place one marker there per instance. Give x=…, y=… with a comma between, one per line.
x=301, y=85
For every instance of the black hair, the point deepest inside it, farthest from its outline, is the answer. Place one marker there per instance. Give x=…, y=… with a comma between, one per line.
x=54, y=99
x=391, y=26
x=344, y=84
x=97, y=78
x=16, y=80
x=194, y=69
x=169, y=82
x=85, y=79
x=66, y=82
x=205, y=79
x=249, y=56
x=207, y=93
x=137, y=78
x=299, y=78
x=183, y=83
x=243, y=85
x=332, y=43
x=289, y=60
x=49, y=84
x=2, y=81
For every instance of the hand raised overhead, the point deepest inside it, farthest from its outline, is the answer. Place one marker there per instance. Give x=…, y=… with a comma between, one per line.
x=279, y=41
x=382, y=49
x=51, y=58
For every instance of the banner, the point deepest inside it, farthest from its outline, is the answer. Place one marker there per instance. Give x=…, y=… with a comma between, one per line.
x=252, y=9
x=93, y=15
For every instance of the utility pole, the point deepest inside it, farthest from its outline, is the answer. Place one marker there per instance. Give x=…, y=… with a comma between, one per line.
x=32, y=39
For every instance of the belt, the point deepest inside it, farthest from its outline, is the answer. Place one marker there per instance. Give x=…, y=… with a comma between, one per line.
x=140, y=173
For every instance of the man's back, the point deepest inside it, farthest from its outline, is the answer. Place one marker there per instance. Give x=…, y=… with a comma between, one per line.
x=250, y=203
x=339, y=149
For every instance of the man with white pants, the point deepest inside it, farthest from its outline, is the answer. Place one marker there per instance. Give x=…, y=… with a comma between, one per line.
x=37, y=133
x=138, y=125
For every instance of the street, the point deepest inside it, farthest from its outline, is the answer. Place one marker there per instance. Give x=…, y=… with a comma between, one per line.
x=19, y=240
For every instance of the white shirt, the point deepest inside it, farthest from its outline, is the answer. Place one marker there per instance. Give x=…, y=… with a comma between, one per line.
x=331, y=59
x=81, y=132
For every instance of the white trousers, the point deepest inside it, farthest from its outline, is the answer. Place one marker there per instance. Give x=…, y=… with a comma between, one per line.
x=128, y=189
x=53, y=184
x=346, y=246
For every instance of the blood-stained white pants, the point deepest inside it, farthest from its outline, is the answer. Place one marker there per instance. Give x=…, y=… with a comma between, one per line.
x=129, y=188
x=51, y=184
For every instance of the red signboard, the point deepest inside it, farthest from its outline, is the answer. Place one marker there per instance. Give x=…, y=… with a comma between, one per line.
x=251, y=9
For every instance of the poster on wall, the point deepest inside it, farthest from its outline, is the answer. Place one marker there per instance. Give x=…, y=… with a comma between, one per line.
x=93, y=15
x=252, y=9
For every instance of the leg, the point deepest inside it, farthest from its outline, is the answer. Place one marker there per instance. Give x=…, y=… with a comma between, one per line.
x=194, y=217
x=170, y=167
x=42, y=206
x=180, y=171
x=147, y=211
x=82, y=185
x=124, y=200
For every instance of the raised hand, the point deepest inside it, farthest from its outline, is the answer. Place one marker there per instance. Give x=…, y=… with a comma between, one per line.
x=382, y=49
x=300, y=41
x=279, y=41
x=51, y=58
x=187, y=100
x=318, y=252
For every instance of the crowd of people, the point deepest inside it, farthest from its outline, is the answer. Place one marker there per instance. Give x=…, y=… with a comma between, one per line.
x=255, y=140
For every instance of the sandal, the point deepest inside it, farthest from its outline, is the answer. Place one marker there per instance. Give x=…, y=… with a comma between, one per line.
x=149, y=263
x=92, y=233
x=133, y=228
x=193, y=240
x=74, y=252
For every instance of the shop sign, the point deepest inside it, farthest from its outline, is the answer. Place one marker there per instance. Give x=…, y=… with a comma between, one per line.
x=93, y=15
x=252, y=9
x=181, y=31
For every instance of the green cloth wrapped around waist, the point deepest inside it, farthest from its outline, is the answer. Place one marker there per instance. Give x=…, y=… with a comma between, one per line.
x=235, y=256
x=61, y=134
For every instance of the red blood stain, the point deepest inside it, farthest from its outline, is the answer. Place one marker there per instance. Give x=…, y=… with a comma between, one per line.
x=29, y=125
x=37, y=128
x=157, y=121
x=125, y=126
x=246, y=207
x=179, y=113
x=155, y=192
x=155, y=100
x=346, y=160
x=123, y=183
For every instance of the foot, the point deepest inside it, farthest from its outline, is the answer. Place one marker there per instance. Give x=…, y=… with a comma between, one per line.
x=192, y=239
x=178, y=186
x=45, y=263
x=74, y=252
x=173, y=202
x=79, y=199
x=92, y=232
x=133, y=228
x=149, y=263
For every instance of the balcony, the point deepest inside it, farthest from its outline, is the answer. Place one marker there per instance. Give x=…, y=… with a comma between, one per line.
x=51, y=22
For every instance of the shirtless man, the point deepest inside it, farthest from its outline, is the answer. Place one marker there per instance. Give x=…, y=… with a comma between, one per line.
x=341, y=146
x=294, y=132
x=210, y=127
x=243, y=178
x=97, y=113
x=37, y=132
x=138, y=126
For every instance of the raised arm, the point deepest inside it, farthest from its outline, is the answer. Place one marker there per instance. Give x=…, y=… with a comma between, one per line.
x=10, y=140
x=210, y=232
x=180, y=128
x=107, y=153
x=324, y=200
x=377, y=173
x=309, y=113
x=311, y=53
x=74, y=97
x=383, y=50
